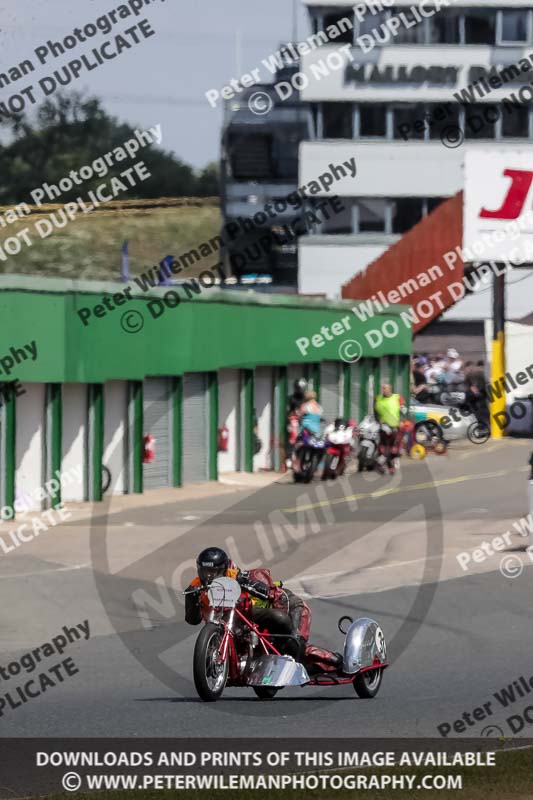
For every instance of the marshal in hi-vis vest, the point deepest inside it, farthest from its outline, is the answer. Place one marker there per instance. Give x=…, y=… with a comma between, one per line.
x=388, y=409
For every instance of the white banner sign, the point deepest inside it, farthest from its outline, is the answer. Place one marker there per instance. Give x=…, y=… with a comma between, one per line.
x=498, y=206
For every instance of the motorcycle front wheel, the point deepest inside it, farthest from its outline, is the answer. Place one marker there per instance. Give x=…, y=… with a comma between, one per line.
x=209, y=674
x=367, y=684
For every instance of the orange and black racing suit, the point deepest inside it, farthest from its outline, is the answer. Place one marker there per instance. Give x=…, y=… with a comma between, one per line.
x=273, y=608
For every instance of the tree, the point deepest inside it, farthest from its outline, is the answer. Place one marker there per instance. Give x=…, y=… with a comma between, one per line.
x=71, y=131
x=208, y=181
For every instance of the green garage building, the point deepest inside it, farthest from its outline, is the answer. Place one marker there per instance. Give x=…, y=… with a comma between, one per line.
x=106, y=364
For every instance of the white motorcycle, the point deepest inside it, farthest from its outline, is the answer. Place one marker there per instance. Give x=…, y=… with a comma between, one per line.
x=339, y=436
x=368, y=443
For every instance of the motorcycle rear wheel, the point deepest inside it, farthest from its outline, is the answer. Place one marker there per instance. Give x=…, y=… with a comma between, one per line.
x=209, y=676
x=367, y=684
x=266, y=692
x=307, y=467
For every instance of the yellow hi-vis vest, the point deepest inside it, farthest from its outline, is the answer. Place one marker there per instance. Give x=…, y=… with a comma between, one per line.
x=388, y=409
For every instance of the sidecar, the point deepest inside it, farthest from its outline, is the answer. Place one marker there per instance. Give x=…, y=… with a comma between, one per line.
x=364, y=659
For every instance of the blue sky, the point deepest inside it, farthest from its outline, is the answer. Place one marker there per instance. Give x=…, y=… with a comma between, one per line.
x=164, y=78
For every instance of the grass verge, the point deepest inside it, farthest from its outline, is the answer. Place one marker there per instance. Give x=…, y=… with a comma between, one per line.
x=89, y=247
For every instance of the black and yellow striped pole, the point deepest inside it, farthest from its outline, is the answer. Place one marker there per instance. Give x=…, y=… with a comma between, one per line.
x=497, y=404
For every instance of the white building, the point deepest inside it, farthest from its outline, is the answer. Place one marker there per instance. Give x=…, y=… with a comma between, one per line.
x=391, y=107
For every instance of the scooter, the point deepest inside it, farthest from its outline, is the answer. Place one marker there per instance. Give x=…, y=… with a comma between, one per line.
x=368, y=444
x=231, y=650
x=307, y=455
x=339, y=437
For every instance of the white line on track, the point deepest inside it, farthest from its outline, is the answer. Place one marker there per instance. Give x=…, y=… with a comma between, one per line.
x=337, y=574
x=44, y=571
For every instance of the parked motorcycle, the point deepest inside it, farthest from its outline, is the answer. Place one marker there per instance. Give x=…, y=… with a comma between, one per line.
x=307, y=455
x=231, y=650
x=339, y=437
x=368, y=443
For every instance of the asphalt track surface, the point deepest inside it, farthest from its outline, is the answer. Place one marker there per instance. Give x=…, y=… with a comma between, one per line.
x=455, y=637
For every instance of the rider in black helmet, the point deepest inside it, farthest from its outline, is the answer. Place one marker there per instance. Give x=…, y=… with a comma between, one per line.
x=295, y=401
x=276, y=608
x=298, y=395
x=211, y=563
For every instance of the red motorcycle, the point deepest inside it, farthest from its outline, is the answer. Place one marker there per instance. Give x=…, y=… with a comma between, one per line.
x=340, y=436
x=232, y=651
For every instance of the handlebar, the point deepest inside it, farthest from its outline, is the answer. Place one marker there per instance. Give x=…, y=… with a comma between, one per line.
x=194, y=590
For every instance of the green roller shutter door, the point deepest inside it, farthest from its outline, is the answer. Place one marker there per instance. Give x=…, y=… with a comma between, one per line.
x=385, y=370
x=157, y=423
x=195, y=428
x=330, y=389
x=355, y=394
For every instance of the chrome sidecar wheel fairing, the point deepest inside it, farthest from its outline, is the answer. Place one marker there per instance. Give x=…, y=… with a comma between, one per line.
x=276, y=671
x=363, y=646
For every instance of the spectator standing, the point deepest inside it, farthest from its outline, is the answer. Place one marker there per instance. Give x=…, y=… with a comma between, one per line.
x=419, y=383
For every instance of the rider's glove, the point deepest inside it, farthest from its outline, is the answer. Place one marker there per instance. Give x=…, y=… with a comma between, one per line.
x=193, y=609
x=255, y=588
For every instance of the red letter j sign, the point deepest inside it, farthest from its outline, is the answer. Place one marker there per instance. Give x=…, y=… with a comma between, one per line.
x=513, y=203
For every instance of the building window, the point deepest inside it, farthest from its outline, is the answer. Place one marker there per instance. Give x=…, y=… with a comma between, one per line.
x=480, y=121
x=411, y=31
x=405, y=118
x=433, y=203
x=341, y=221
x=513, y=26
x=250, y=156
x=515, y=120
x=372, y=22
x=371, y=214
x=406, y=212
x=337, y=120
x=372, y=119
x=315, y=115
x=443, y=120
x=444, y=27
x=344, y=24
x=285, y=156
x=480, y=26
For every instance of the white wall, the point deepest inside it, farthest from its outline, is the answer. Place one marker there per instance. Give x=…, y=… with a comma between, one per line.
x=228, y=415
x=323, y=268
x=518, y=352
x=74, y=439
x=263, y=408
x=386, y=169
x=391, y=169
x=115, y=433
x=30, y=442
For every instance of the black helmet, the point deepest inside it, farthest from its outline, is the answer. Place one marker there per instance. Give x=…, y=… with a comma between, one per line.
x=300, y=386
x=211, y=563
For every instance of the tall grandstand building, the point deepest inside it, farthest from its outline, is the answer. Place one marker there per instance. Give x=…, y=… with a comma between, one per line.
x=419, y=83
